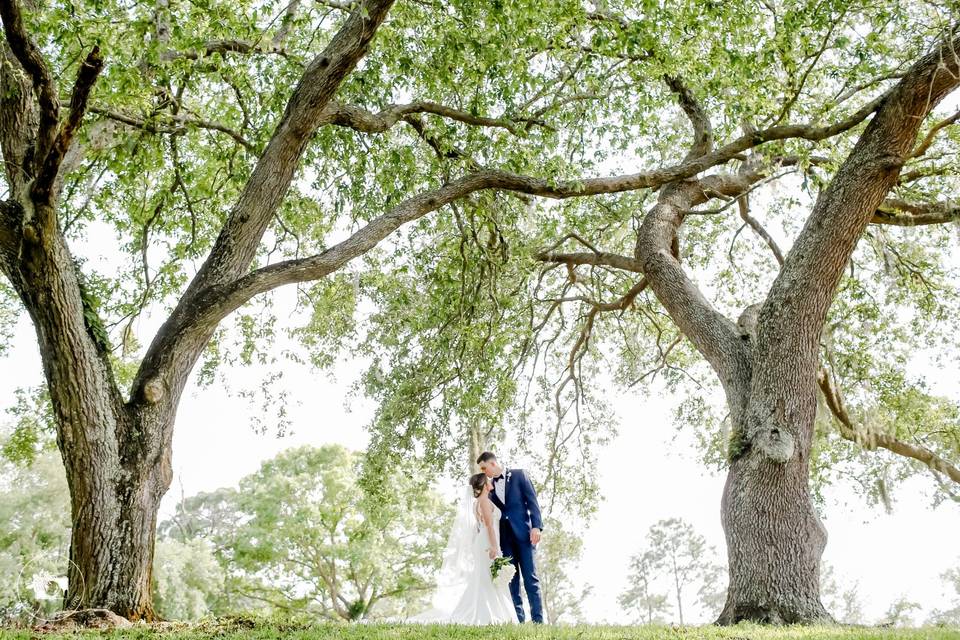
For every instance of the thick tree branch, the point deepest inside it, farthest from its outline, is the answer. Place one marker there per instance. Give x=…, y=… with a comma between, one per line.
x=43, y=186
x=18, y=123
x=702, y=131
x=355, y=117
x=801, y=295
x=174, y=350
x=30, y=58
x=871, y=440
x=894, y=211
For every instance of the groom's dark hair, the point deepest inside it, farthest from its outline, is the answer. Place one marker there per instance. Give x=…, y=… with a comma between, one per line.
x=486, y=456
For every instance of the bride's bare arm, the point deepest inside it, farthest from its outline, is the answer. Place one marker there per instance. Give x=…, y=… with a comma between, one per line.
x=486, y=512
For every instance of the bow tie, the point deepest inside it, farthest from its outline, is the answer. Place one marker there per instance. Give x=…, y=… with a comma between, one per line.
x=499, y=477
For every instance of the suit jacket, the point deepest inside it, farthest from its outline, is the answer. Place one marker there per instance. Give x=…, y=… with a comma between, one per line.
x=521, y=511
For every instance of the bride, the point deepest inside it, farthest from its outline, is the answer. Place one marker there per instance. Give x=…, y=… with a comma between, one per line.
x=466, y=593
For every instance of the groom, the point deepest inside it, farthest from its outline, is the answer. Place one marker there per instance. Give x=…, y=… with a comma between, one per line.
x=520, y=527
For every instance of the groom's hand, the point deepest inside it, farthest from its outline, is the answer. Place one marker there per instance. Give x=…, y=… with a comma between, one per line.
x=534, y=536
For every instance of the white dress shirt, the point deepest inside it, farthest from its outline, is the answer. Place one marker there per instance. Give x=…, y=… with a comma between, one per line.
x=500, y=486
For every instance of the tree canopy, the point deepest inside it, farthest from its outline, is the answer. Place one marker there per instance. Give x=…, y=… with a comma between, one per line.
x=186, y=103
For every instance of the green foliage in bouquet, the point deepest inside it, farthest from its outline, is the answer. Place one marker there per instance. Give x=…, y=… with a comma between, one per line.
x=498, y=564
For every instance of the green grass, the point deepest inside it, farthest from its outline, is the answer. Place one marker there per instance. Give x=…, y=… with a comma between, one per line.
x=252, y=628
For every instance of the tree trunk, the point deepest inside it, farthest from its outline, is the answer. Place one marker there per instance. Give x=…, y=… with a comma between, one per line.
x=114, y=502
x=774, y=537
x=116, y=455
x=676, y=582
x=473, y=450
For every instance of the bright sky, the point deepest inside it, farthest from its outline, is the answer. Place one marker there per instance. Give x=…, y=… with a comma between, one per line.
x=645, y=476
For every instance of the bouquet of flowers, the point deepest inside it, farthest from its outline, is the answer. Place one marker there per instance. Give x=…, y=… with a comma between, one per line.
x=501, y=571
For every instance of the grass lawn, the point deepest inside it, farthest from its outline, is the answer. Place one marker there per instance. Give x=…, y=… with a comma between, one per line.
x=251, y=628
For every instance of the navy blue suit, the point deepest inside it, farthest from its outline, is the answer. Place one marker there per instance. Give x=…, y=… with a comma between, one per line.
x=520, y=512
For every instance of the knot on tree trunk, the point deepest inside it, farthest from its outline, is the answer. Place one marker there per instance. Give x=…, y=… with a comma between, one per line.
x=153, y=390
x=775, y=443
x=747, y=322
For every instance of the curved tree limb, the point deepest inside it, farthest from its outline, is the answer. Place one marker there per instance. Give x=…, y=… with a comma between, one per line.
x=30, y=58
x=223, y=299
x=360, y=119
x=871, y=440
x=894, y=211
x=714, y=335
x=702, y=130
x=243, y=230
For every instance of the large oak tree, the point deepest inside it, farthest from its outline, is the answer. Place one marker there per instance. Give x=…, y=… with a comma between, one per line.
x=544, y=300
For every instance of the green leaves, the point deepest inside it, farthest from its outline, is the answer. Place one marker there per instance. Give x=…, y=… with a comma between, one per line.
x=332, y=302
x=301, y=533
x=466, y=331
x=33, y=430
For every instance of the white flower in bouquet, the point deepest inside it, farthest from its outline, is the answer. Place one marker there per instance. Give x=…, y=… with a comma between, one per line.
x=501, y=571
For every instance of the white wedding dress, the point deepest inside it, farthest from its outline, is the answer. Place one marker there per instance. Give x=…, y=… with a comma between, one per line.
x=466, y=594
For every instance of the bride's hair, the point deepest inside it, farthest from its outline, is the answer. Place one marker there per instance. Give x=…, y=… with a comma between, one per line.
x=477, y=482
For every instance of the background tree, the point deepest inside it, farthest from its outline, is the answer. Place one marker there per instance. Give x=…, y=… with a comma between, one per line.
x=301, y=535
x=676, y=559
x=712, y=592
x=639, y=596
x=188, y=580
x=682, y=555
x=557, y=555
x=842, y=600
x=951, y=616
x=34, y=527
x=899, y=613
x=202, y=516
